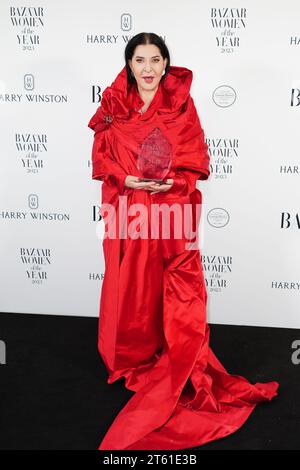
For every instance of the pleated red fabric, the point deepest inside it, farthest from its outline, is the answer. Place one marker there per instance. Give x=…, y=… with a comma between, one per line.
x=153, y=329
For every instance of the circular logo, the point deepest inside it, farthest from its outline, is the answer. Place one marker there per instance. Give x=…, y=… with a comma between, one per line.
x=224, y=96
x=218, y=217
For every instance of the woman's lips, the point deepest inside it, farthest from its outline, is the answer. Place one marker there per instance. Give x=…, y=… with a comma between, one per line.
x=148, y=79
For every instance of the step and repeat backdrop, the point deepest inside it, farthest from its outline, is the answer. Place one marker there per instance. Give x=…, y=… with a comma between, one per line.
x=56, y=59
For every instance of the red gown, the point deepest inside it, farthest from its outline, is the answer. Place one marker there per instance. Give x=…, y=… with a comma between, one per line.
x=152, y=321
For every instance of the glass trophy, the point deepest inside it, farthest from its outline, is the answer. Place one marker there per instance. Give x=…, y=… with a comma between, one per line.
x=154, y=158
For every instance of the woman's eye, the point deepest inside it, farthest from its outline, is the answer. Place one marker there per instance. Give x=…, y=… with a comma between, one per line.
x=140, y=60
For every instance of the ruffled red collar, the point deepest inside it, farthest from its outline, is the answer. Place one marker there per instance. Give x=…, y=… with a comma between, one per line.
x=121, y=100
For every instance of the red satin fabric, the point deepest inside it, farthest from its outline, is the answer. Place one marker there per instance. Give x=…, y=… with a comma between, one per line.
x=153, y=329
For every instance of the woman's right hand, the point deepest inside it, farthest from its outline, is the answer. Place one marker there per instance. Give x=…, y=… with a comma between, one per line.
x=134, y=183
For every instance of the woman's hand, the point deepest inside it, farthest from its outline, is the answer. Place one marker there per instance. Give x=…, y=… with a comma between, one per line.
x=157, y=188
x=135, y=183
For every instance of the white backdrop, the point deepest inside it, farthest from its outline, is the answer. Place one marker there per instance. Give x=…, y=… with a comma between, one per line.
x=55, y=58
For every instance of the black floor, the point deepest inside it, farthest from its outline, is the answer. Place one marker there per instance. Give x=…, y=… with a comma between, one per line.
x=54, y=395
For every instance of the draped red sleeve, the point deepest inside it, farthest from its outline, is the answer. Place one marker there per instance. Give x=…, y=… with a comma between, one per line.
x=193, y=161
x=105, y=167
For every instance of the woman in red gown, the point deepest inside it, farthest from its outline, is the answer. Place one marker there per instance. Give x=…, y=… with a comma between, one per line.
x=152, y=321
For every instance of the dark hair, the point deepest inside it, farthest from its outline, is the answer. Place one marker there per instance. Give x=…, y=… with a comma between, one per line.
x=145, y=38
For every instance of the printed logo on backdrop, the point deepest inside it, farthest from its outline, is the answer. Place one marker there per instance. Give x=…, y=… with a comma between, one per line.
x=28, y=22
x=96, y=277
x=218, y=217
x=125, y=23
x=36, y=262
x=217, y=270
x=286, y=285
x=295, y=96
x=224, y=96
x=97, y=217
x=229, y=23
x=17, y=96
x=292, y=169
x=29, y=82
x=33, y=214
x=290, y=220
x=31, y=149
x=96, y=214
x=224, y=153
x=295, y=41
x=33, y=201
x=96, y=93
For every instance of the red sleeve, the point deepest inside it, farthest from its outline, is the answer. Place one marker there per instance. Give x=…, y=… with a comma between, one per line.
x=104, y=167
x=193, y=164
x=184, y=182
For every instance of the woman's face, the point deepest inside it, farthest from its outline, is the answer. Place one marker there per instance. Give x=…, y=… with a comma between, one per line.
x=147, y=61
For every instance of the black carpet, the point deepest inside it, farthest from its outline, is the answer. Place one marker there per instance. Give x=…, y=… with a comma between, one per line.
x=54, y=395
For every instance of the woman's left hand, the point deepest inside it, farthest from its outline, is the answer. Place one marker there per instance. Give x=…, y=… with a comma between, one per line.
x=157, y=188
